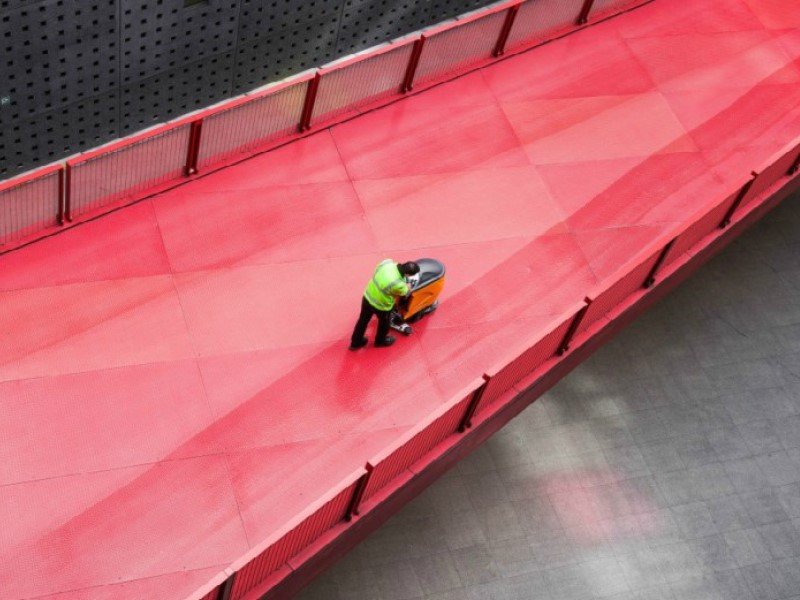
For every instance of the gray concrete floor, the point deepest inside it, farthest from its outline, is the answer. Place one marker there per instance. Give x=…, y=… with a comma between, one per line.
x=667, y=467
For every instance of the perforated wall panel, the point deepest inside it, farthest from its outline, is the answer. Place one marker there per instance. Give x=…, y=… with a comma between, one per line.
x=365, y=23
x=285, y=52
x=162, y=35
x=175, y=92
x=57, y=133
x=266, y=18
x=13, y=4
x=56, y=53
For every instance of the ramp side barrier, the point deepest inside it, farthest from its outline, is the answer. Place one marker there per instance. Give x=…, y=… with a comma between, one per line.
x=602, y=8
x=241, y=128
x=707, y=221
x=521, y=363
x=31, y=204
x=627, y=280
x=541, y=20
x=274, y=553
x=167, y=155
x=416, y=443
x=463, y=44
x=126, y=170
x=780, y=165
x=352, y=84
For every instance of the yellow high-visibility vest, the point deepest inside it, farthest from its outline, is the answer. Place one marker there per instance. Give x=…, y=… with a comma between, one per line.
x=386, y=284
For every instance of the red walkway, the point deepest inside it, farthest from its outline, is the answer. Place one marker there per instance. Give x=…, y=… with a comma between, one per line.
x=174, y=379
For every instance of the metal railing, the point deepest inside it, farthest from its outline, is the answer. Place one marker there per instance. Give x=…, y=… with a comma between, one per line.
x=98, y=181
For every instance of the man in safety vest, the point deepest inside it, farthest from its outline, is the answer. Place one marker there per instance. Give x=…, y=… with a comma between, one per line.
x=387, y=284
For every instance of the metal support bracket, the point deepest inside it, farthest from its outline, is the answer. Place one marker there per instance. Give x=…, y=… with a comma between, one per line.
x=726, y=220
x=573, y=327
x=308, y=105
x=583, y=17
x=500, y=46
x=193, y=151
x=466, y=421
x=413, y=63
x=651, y=276
x=358, y=494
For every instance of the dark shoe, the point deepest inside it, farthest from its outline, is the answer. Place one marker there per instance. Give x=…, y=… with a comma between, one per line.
x=387, y=341
x=359, y=344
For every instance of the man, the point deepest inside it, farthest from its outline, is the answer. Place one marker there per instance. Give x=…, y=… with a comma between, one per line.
x=387, y=284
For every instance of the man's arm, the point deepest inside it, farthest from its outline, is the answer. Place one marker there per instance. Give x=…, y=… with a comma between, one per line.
x=401, y=289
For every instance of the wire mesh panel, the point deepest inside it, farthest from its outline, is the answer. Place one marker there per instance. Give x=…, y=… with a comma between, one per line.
x=29, y=205
x=524, y=365
x=129, y=170
x=244, y=128
x=541, y=20
x=419, y=443
x=627, y=284
x=453, y=50
x=361, y=82
x=295, y=540
x=774, y=172
x=604, y=8
x=703, y=226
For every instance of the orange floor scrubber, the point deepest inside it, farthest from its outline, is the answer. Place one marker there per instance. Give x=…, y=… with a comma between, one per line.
x=424, y=298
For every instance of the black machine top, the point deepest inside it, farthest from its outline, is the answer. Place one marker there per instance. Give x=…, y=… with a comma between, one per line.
x=430, y=270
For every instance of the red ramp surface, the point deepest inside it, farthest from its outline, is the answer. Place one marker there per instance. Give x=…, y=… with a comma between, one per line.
x=174, y=380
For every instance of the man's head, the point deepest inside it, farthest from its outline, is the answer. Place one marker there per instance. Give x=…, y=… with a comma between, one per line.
x=408, y=268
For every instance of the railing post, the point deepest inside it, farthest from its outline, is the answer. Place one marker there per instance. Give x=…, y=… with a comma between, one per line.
x=308, y=105
x=60, y=214
x=226, y=588
x=413, y=62
x=651, y=276
x=795, y=166
x=500, y=46
x=583, y=17
x=466, y=420
x=726, y=220
x=358, y=493
x=193, y=151
x=67, y=195
x=573, y=327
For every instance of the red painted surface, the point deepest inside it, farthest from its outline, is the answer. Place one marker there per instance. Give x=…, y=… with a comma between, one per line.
x=175, y=376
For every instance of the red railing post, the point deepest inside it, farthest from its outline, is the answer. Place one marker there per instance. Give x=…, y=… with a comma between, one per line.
x=500, y=46
x=726, y=220
x=651, y=276
x=193, y=151
x=573, y=327
x=413, y=62
x=795, y=166
x=308, y=105
x=67, y=195
x=226, y=588
x=583, y=17
x=466, y=420
x=358, y=493
x=60, y=213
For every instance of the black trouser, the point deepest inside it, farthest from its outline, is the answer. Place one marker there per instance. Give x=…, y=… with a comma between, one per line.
x=367, y=310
